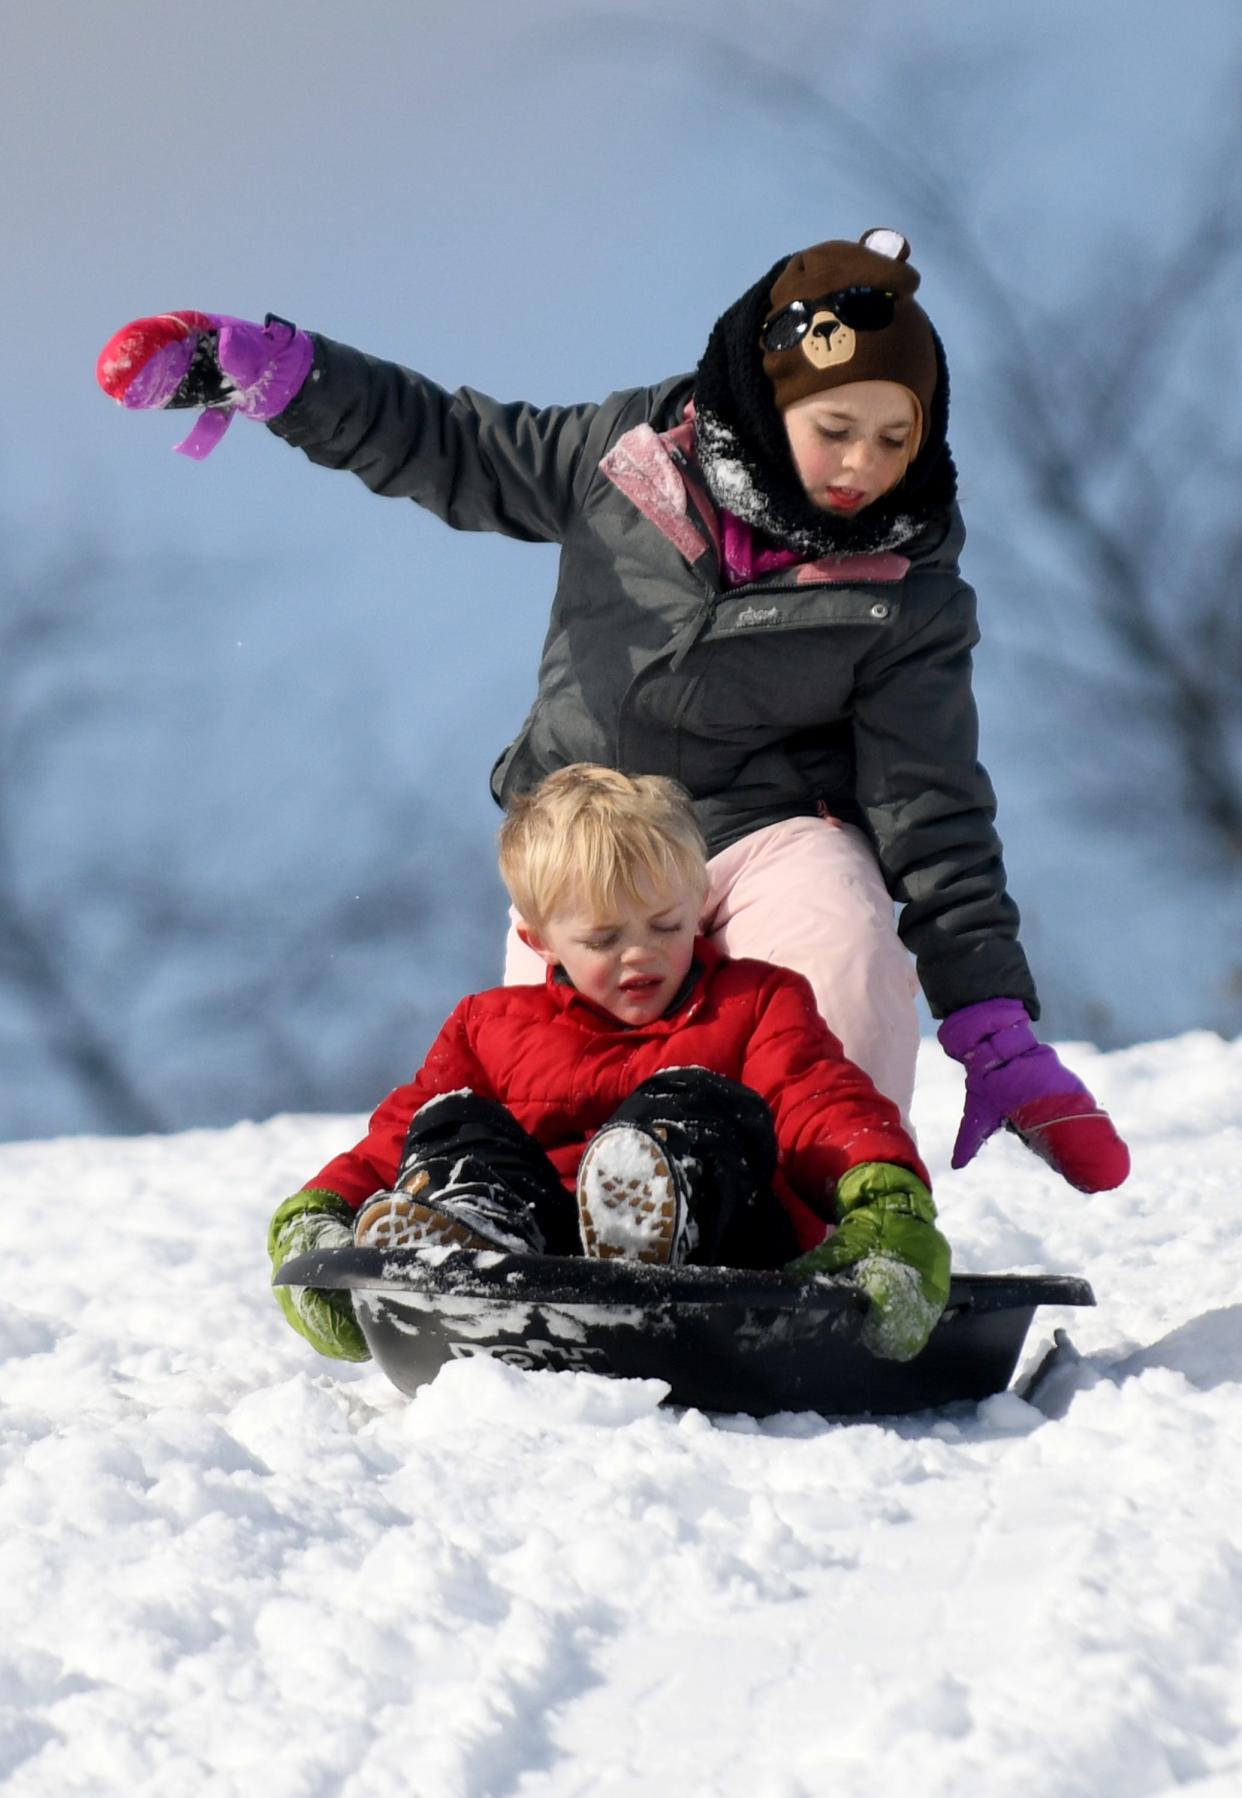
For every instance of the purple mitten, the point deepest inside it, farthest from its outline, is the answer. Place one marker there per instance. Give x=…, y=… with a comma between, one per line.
x=1012, y=1078
x=207, y=359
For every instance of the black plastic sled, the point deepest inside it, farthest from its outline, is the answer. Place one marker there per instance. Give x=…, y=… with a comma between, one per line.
x=724, y=1339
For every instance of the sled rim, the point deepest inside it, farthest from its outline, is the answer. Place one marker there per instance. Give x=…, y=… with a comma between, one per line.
x=569, y=1280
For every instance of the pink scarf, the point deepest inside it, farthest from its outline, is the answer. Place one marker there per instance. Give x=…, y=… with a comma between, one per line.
x=740, y=560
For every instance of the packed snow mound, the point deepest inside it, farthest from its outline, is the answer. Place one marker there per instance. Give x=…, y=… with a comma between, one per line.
x=226, y=1565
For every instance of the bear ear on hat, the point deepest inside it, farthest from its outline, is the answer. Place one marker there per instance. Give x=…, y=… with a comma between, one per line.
x=886, y=243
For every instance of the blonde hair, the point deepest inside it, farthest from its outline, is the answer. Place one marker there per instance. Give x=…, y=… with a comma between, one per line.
x=595, y=833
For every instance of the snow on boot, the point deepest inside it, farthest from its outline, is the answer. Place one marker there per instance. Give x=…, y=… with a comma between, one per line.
x=632, y=1198
x=466, y=1217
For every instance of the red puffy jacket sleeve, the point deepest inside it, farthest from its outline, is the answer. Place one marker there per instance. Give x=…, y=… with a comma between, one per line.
x=829, y=1116
x=371, y=1165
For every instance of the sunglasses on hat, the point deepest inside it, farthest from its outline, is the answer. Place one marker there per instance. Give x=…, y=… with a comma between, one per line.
x=861, y=308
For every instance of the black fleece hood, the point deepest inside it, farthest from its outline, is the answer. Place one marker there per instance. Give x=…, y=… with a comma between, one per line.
x=746, y=461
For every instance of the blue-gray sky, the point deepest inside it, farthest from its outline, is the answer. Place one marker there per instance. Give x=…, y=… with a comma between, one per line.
x=545, y=200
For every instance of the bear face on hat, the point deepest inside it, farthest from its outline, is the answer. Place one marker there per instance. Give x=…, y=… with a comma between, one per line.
x=842, y=312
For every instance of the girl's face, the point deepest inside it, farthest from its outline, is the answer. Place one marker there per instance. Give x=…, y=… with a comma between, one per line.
x=852, y=444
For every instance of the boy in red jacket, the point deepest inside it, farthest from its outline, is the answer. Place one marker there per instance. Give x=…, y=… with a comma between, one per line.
x=651, y=1100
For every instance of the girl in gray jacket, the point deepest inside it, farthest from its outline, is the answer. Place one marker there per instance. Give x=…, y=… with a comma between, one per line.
x=759, y=596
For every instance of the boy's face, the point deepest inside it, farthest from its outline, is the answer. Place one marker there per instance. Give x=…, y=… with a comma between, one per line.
x=631, y=957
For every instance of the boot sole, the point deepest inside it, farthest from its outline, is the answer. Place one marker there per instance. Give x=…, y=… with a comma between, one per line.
x=397, y=1222
x=631, y=1212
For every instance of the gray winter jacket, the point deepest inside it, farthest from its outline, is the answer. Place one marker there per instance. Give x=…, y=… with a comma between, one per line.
x=841, y=686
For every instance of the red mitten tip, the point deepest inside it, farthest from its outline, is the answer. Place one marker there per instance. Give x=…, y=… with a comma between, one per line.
x=1075, y=1137
x=128, y=351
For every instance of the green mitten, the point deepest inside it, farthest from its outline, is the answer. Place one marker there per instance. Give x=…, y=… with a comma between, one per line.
x=316, y=1219
x=889, y=1245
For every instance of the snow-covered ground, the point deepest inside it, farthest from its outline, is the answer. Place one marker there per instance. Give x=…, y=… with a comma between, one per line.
x=229, y=1567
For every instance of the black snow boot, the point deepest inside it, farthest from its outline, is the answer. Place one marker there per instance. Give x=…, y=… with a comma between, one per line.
x=471, y=1178
x=681, y=1172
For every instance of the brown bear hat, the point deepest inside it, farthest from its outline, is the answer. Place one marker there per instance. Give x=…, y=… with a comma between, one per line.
x=844, y=312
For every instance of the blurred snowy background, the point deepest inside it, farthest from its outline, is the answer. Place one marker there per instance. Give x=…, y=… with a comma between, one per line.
x=247, y=711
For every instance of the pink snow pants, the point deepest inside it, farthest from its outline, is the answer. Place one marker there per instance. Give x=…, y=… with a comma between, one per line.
x=807, y=894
